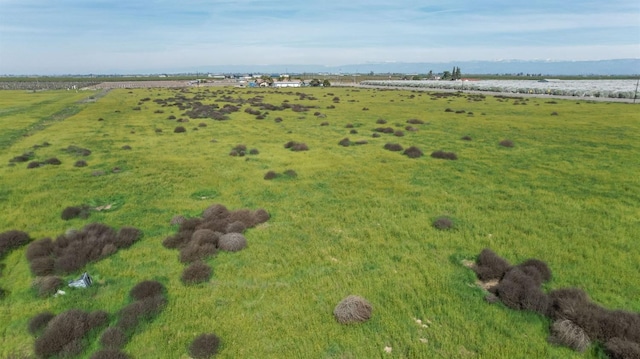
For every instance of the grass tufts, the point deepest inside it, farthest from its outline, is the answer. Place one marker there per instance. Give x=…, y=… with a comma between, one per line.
x=179, y=129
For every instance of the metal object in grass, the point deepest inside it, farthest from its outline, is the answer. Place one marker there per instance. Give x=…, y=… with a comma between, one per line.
x=84, y=281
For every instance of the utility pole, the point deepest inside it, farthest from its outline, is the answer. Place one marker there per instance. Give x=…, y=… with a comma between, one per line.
x=635, y=95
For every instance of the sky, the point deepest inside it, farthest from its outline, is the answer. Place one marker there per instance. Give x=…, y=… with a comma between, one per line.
x=152, y=36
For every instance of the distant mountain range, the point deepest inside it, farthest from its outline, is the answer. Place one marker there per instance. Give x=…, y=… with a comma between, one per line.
x=541, y=67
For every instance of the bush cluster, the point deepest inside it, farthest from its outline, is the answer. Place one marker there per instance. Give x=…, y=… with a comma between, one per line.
x=576, y=320
x=149, y=299
x=218, y=229
x=74, y=249
x=63, y=334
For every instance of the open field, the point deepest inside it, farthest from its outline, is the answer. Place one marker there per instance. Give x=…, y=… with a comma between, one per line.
x=354, y=219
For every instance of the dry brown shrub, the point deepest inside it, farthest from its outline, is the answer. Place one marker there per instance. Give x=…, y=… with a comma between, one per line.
x=97, y=319
x=393, y=147
x=243, y=215
x=146, y=289
x=39, y=248
x=345, y=142
x=11, y=240
x=39, y=322
x=113, y=338
x=565, y=332
x=352, y=309
x=506, y=143
x=300, y=147
x=193, y=252
x=177, y=219
x=197, y=272
x=232, y=242
x=48, y=285
x=490, y=266
x=443, y=223
x=127, y=236
x=618, y=348
x=413, y=152
x=236, y=227
x=62, y=331
x=204, y=346
x=42, y=266
x=205, y=236
x=444, y=155
x=270, y=175
x=215, y=211
x=260, y=215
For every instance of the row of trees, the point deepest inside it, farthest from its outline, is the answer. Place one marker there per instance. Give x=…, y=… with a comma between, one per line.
x=455, y=74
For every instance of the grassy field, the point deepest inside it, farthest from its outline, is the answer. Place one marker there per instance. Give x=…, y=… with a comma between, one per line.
x=355, y=220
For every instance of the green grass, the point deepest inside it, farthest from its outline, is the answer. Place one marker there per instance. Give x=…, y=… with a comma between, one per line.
x=355, y=220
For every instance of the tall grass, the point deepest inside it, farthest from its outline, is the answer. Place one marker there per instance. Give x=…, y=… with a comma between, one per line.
x=356, y=220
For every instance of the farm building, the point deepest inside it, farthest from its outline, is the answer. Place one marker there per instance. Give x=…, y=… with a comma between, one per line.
x=287, y=84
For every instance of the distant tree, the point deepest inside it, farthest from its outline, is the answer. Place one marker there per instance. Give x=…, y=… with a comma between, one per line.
x=314, y=83
x=416, y=77
x=457, y=75
x=430, y=74
x=326, y=83
x=371, y=73
x=446, y=75
x=267, y=79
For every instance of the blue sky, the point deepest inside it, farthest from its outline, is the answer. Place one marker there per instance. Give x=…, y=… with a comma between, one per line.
x=136, y=36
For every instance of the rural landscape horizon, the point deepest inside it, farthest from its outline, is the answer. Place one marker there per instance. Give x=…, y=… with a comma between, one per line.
x=409, y=179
